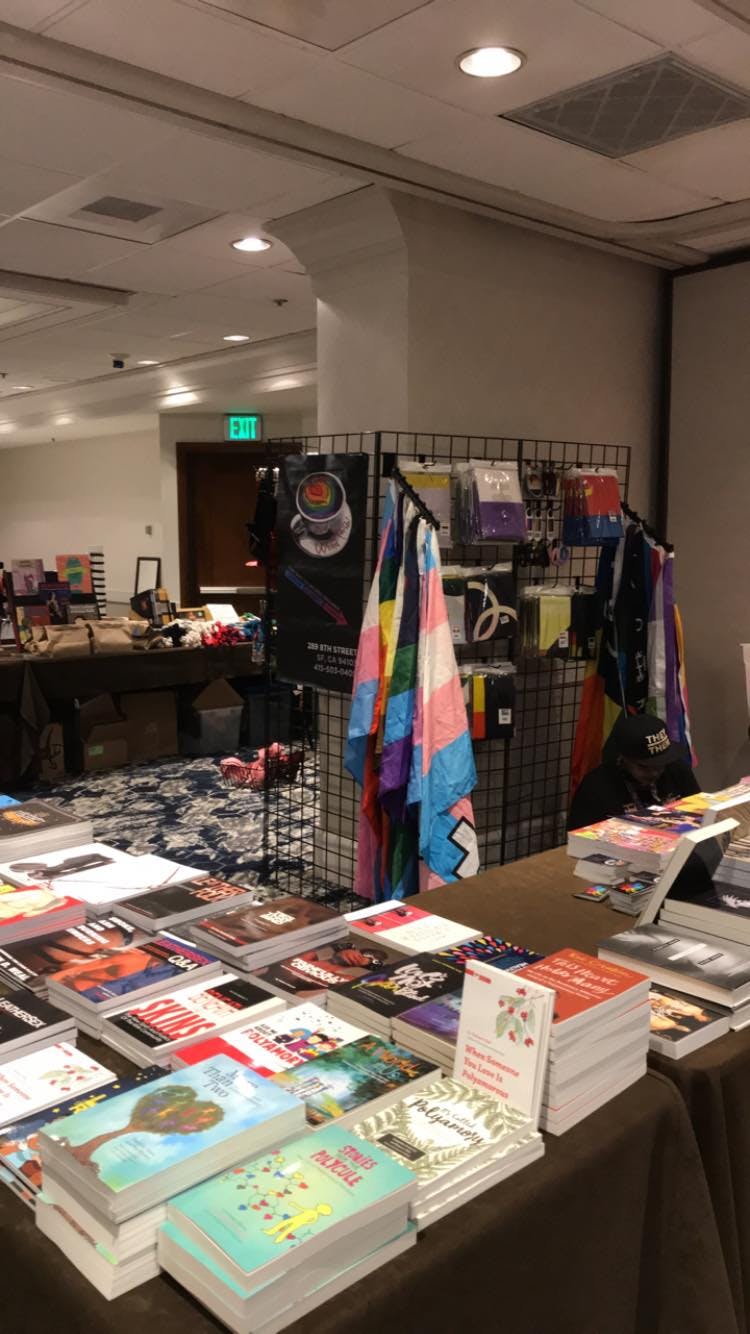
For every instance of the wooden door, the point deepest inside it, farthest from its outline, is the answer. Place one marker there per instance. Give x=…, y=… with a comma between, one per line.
x=217, y=489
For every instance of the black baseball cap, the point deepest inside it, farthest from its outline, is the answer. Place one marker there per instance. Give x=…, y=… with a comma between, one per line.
x=644, y=739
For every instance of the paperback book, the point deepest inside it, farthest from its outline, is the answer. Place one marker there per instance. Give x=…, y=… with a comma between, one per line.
x=35, y=911
x=337, y=1086
x=281, y=1042
x=673, y=959
x=101, y=985
x=39, y=1080
x=28, y=1022
x=19, y=1141
x=163, y=1024
x=134, y=1151
x=431, y=1028
x=316, y=973
x=586, y=990
x=95, y=873
x=493, y=950
x=31, y=963
x=32, y=828
x=323, y=1187
x=375, y=1000
x=267, y=931
x=503, y=1037
x=648, y=849
x=680, y=1024
x=407, y=929
x=175, y=904
x=599, y=869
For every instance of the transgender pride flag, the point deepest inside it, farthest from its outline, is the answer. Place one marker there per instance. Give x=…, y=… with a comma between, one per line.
x=408, y=742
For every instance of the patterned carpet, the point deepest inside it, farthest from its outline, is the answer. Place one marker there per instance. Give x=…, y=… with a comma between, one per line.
x=181, y=808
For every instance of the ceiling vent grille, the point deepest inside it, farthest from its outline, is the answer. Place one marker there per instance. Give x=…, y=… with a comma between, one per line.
x=123, y=210
x=637, y=108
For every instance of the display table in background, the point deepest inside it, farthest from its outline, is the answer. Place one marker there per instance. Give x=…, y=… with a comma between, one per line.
x=65, y=679
x=611, y=1233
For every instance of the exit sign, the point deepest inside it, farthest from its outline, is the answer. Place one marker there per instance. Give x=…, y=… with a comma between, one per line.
x=243, y=426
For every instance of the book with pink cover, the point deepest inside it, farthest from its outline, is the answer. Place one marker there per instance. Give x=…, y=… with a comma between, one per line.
x=646, y=847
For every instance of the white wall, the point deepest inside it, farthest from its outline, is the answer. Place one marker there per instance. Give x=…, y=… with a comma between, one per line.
x=516, y=333
x=81, y=494
x=709, y=485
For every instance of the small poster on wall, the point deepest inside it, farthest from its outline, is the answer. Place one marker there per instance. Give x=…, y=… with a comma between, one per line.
x=320, y=524
x=75, y=570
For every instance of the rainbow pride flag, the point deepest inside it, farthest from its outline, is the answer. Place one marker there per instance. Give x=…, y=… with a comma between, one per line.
x=408, y=743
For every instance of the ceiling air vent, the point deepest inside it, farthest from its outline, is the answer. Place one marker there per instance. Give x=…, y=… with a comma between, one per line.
x=637, y=108
x=124, y=210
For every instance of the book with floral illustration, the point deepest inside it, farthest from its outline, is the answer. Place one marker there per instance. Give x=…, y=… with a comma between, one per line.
x=503, y=1036
x=39, y=1080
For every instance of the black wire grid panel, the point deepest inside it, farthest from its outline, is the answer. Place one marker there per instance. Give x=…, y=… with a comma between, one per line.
x=522, y=793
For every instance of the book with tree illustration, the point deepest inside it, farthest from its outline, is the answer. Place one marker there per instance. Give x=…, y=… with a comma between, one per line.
x=138, y=1135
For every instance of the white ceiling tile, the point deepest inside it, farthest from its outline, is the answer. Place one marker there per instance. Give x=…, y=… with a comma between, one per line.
x=341, y=97
x=162, y=269
x=306, y=195
x=545, y=168
x=264, y=284
x=565, y=45
x=58, y=252
x=327, y=23
x=207, y=171
x=717, y=161
x=210, y=50
x=33, y=14
x=669, y=22
x=21, y=187
x=725, y=52
x=215, y=239
x=715, y=242
x=69, y=132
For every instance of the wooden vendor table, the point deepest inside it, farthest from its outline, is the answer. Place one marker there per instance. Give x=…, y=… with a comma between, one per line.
x=612, y=1232
x=65, y=679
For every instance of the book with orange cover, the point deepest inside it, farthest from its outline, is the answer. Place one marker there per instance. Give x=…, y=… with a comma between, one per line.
x=587, y=990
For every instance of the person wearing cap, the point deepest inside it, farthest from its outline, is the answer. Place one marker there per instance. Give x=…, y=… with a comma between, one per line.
x=641, y=768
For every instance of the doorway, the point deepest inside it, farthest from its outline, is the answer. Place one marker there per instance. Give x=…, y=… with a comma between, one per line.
x=216, y=489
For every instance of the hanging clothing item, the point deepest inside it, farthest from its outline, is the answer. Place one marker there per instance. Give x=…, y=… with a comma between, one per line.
x=490, y=698
x=592, y=512
x=640, y=664
x=408, y=742
x=454, y=591
x=491, y=604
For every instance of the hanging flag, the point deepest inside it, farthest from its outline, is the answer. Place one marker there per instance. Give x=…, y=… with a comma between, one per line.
x=408, y=742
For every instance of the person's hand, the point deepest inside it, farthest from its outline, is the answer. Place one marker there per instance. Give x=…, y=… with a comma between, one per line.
x=354, y=958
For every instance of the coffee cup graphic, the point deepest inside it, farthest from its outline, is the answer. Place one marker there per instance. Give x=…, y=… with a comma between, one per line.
x=321, y=504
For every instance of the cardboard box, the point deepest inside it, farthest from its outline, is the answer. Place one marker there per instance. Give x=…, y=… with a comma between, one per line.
x=152, y=719
x=104, y=734
x=51, y=754
x=212, y=726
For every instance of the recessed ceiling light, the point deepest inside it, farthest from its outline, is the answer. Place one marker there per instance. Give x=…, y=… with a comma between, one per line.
x=252, y=244
x=180, y=399
x=20, y=388
x=491, y=62
x=63, y=421
x=236, y=338
x=147, y=363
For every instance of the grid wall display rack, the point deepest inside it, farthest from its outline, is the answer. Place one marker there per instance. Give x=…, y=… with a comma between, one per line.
x=522, y=793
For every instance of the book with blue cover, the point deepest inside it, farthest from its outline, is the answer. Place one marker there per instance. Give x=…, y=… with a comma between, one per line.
x=19, y=1142
x=437, y=1019
x=368, y=1073
x=278, y=1209
x=493, y=950
x=135, y=1150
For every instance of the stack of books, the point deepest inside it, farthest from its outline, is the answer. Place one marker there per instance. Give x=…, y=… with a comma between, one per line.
x=110, y=1170
x=39, y=1080
x=261, y=1258
x=598, y=869
x=27, y=1023
x=97, y=987
x=157, y=1029
x=31, y=828
x=281, y=1042
x=643, y=847
x=631, y=896
x=19, y=1141
x=681, y=1024
x=33, y=962
x=457, y=1140
x=27, y=913
x=172, y=906
x=317, y=973
x=599, y=1038
x=721, y=913
x=375, y=1001
x=358, y=1079
x=250, y=938
x=94, y=873
x=711, y=971
x=407, y=929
